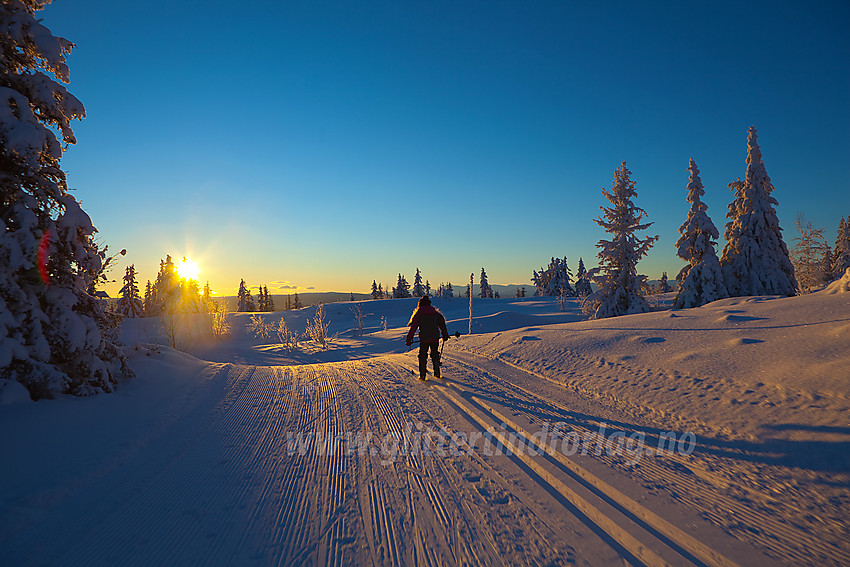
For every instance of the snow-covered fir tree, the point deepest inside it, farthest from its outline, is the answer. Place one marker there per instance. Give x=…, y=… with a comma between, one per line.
x=810, y=255
x=149, y=299
x=374, y=292
x=755, y=259
x=242, y=297
x=484, y=289
x=381, y=293
x=619, y=284
x=206, y=299
x=427, y=288
x=663, y=285
x=554, y=281
x=696, y=247
x=445, y=291
x=130, y=304
x=841, y=251
x=418, y=288
x=269, y=300
x=583, y=288
x=167, y=291
x=55, y=337
x=296, y=301
x=402, y=288
x=261, y=300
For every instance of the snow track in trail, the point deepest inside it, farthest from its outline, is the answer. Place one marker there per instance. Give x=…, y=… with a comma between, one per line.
x=687, y=479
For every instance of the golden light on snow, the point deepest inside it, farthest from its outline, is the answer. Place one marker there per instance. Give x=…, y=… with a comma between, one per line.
x=187, y=269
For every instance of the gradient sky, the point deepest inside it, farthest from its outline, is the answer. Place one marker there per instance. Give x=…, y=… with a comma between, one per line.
x=326, y=144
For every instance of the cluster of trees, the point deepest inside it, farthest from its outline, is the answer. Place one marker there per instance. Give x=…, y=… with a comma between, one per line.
x=755, y=259
x=265, y=302
x=169, y=293
x=404, y=290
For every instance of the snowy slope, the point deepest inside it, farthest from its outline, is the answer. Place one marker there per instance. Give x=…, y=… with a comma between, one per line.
x=199, y=460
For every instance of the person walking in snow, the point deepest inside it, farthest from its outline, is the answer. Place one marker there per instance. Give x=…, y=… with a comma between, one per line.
x=431, y=325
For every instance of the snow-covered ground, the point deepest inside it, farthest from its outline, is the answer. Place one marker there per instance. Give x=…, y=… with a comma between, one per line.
x=711, y=436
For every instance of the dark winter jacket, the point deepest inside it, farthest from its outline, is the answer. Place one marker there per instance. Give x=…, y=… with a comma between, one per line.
x=431, y=325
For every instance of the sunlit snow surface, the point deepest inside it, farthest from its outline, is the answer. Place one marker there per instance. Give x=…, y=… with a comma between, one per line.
x=190, y=463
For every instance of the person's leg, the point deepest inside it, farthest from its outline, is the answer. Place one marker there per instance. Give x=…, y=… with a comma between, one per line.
x=435, y=359
x=423, y=360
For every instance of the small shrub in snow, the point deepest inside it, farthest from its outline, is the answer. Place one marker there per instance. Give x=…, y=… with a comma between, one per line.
x=317, y=327
x=287, y=338
x=259, y=327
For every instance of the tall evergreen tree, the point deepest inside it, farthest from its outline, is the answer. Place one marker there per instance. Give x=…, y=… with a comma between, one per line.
x=418, y=288
x=583, y=288
x=755, y=259
x=619, y=284
x=402, y=288
x=555, y=280
x=696, y=247
x=841, y=251
x=167, y=288
x=296, y=301
x=374, y=291
x=242, y=297
x=269, y=300
x=130, y=304
x=149, y=299
x=55, y=336
x=484, y=289
x=206, y=298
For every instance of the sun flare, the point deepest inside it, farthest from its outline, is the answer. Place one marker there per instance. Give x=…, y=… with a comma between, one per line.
x=187, y=269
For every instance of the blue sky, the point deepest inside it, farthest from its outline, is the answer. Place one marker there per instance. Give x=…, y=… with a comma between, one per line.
x=326, y=144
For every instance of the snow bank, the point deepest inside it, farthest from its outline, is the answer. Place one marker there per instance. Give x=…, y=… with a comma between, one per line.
x=841, y=285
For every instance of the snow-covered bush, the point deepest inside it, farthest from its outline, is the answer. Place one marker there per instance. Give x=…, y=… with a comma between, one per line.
x=260, y=328
x=287, y=338
x=55, y=336
x=755, y=259
x=317, y=327
x=619, y=284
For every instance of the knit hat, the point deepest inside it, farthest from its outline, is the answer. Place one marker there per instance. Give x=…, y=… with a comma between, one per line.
x=424, y=300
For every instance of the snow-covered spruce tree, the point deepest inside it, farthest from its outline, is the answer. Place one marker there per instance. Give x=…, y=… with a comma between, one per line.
x=554, y=281
x=242, y=297
x=418, y=288
x=484, y=291
x=619, y=290
x=55, y=337
x=755, y=259
x=810, y=255
x=841, y=251
x=130, y=304
x=269, y=300
x=167, y=290
x=296, y=301
x=701, y=280
x=147, y=306
x=402, y=288
x=663, y=285
x=374, y=292
x=583, y=288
